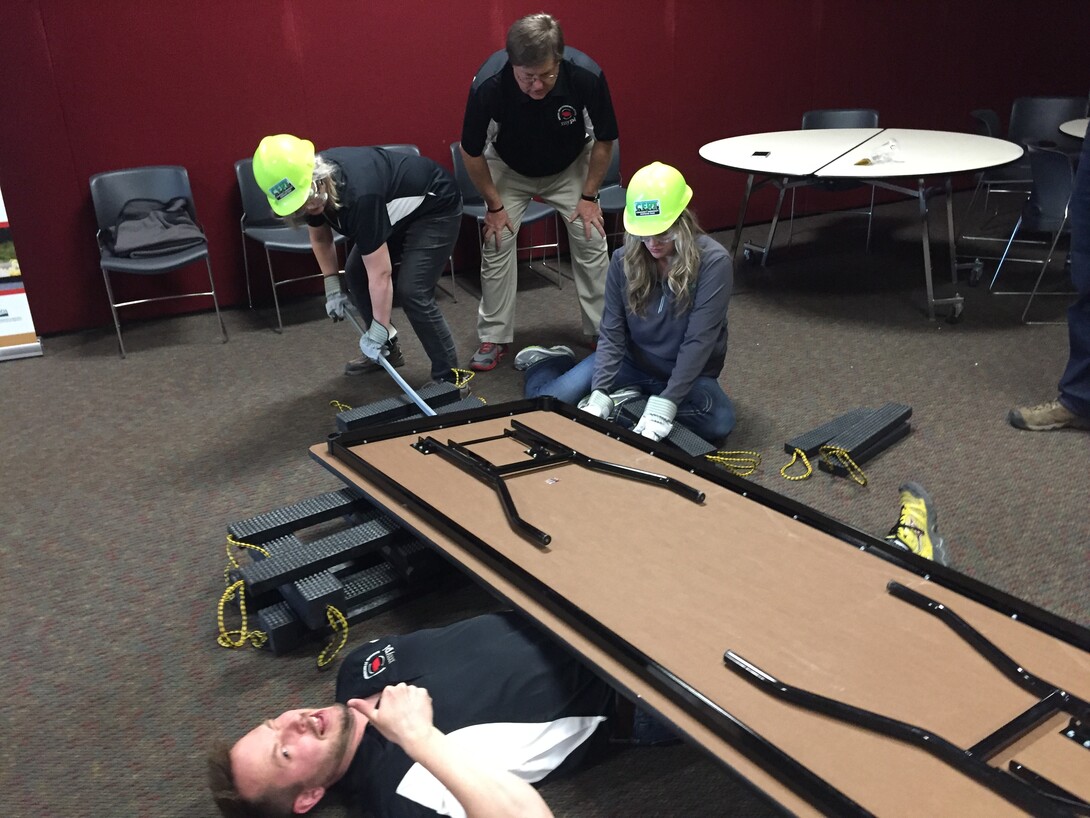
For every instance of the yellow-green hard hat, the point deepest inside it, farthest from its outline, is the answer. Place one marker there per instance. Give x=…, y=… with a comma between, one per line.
x=657, y=195
x=284, y=169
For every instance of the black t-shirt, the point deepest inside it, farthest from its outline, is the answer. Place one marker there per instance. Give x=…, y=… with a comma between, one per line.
x=538, y=137
x=488, y=672
x=382, y=192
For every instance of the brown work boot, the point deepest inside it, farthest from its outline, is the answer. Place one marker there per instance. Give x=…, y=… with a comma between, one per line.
x=1045, y=417
x=365, y=366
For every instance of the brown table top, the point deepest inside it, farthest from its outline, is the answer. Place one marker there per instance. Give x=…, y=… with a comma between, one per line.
x=683, y=582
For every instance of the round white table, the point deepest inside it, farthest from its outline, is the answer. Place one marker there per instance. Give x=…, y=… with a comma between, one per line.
x=793, y=158
x=1075, y=127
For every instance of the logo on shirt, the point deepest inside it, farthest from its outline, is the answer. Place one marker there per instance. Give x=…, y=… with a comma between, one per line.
x=647, y=207
x=378, y=661
x=567, y=115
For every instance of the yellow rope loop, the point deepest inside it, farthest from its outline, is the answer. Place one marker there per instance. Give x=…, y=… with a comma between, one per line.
x=462, y=376
x=240, y=544
x=841, y=455
x=742, y=463
x=236, y=639
x=231, y=561
x=336, y=621
x=339, y=406
x=798, y=455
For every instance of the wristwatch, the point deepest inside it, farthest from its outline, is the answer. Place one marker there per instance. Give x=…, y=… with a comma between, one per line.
x=587, y=198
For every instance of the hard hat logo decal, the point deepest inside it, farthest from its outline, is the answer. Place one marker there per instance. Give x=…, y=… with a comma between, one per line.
x=648, y=207
x=281, y=189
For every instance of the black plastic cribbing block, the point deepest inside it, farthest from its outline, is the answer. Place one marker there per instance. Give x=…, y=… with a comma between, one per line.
x=812, y=441
x=284, y=629
x=279, y=522
x=367, y=593
x=370, y=582
x=290, y=559
x=863, y=455
x=871, y=429
x=414, y=561
x=374, y=590
x=400, y=407
x=680, y=437
x=310, y=596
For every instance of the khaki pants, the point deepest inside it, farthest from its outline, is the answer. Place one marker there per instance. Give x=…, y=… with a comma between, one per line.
x=499, y=268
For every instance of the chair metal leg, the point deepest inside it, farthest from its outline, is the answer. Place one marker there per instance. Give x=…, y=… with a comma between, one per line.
x=1006, y=250
x=246, y=264
x=453, y=283
x=870, y=217
x=1041, y=275
x=113, y=309
x=559, y=281
x=215, y=301
x=276, y=299
x=791, y=221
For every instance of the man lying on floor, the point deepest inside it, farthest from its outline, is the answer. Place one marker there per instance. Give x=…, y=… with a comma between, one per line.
x=510, y=707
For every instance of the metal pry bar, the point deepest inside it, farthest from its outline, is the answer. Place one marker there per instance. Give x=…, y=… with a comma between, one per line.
x=385, y=364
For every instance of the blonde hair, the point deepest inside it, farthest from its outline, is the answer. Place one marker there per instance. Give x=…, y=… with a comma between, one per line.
x=322, y=181
x=641, y=270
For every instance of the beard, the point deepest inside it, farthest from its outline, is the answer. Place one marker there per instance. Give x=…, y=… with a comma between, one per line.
x=339, y=748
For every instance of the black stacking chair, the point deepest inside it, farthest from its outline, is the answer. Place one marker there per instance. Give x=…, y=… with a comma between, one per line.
x=110, y=191
x=1045, y=211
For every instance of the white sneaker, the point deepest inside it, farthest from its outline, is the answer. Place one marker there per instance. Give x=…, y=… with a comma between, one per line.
x=528, y=356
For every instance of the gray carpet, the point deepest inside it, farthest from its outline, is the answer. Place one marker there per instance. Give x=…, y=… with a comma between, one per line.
x=121, y=476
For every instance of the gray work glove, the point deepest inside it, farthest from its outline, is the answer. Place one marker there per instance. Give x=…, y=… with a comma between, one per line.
x=335, y=298
x=375, y=341
x=657, y=419
x=597, y=403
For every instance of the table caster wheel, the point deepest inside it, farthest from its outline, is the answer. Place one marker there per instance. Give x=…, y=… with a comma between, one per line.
x=976, y=272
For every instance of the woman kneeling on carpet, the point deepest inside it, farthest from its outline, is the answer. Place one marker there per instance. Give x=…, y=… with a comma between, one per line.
x=664, y=326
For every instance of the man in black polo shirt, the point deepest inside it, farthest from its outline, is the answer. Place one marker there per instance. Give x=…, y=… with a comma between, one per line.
x=525, y=134
x=508, y=704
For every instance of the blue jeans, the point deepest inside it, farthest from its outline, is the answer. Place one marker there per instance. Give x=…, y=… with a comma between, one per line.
x=706, y=410
x=1075, y=383
x=428, y=243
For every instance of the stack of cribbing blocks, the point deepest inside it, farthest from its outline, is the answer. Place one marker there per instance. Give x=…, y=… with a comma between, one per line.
x=862, y=433
x=334, y=549
x=680, y=438
x=442, y=398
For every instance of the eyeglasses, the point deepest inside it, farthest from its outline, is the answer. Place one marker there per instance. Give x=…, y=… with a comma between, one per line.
x=661, y=238
x=530, y=79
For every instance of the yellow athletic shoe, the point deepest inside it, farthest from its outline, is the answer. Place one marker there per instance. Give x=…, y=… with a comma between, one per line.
x=917, y=528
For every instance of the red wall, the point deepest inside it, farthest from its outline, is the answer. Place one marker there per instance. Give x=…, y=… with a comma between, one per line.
x=88, y=87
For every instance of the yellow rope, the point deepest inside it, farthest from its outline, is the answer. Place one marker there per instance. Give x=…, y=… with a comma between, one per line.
x=798, y=455
x=462, y=376
x=339, y=406
x=336, y=620
x=236, y=639
x=741, y=463
x=829, y=453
